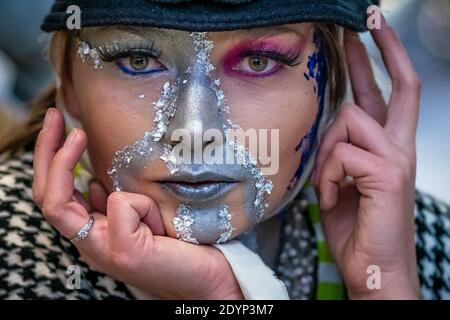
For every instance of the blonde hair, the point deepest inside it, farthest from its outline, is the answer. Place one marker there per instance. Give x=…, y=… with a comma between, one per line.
x=24, y=136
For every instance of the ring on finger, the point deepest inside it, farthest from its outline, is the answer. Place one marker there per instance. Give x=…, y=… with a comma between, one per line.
x=84, y=231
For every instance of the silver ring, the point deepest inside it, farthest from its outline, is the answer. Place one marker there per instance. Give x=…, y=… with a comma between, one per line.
x=84, y=231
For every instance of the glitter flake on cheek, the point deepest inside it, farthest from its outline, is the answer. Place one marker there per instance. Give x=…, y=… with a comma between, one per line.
x=262, y=185
x=169, y=159
x=165, y=108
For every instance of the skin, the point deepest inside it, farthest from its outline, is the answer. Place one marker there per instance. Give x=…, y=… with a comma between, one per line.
x=364, y=221
x=255, y=102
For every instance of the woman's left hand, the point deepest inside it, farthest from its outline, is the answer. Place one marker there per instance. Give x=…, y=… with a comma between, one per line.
x=369, y=220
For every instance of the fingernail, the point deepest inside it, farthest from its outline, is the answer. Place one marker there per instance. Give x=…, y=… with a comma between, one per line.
x=48, y=117
x=71, y=138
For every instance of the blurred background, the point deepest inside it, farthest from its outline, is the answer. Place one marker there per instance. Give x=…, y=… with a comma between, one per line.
x=423, y=26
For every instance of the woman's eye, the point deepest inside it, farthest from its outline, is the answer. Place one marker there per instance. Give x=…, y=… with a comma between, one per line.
x=257, y=65
x=139, y=64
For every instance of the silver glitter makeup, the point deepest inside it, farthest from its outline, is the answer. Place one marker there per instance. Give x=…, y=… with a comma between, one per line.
x=123, y=159
x=85, y=52
x=225, y=217
x=169, y=159
x=196, y=224
x=203, y=47
x=262, y=185
x=165, y=108
x=183, y=224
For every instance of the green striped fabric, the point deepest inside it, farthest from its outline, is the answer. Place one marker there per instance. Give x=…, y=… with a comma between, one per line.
x=329, y=282
x=81, y=180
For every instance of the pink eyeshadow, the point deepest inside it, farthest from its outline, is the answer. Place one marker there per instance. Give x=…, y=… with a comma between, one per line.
x=234, y=55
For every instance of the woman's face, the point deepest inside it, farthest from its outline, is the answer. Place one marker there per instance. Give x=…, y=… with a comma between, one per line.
x=159, y=108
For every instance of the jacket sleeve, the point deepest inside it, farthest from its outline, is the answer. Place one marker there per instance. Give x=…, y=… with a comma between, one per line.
x=432, y=221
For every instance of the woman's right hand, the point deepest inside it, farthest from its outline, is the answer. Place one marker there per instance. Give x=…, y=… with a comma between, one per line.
x=127, y=239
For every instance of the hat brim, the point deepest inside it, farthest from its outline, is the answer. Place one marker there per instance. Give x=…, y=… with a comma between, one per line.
x=211, y=16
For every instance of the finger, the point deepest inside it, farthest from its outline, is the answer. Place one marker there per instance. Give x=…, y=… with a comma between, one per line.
x=78, y=197
x=345, y=160
x=47, y=144
x=125, y=213
x=355, y=126
x=60, y=188
x=98, y=197
x=94, y=244
x=70, y=218
x=403, y=108
x=65, y=207
x=366, y=92
x=59, y=207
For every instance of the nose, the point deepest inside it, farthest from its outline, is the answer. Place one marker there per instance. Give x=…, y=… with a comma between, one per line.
x=197, y=111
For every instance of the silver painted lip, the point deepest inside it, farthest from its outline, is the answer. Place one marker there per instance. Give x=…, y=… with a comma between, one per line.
x=190, y=176
x=197, y=191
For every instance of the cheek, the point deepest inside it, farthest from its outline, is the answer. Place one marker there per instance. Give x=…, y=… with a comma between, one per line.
x=291, y=109
x=113, y=112
x=296, y=124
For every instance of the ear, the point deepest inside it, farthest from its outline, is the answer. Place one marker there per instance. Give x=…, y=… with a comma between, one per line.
x=61, y=52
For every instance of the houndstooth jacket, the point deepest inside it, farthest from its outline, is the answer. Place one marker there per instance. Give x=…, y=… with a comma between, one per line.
x=34, y=258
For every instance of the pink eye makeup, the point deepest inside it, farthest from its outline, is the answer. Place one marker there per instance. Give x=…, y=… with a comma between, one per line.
x=262, y=57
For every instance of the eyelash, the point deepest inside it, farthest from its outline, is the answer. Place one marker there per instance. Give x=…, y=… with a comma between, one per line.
x=278, y=55
x=116, y=55
x=282, y=57
x=286, y=59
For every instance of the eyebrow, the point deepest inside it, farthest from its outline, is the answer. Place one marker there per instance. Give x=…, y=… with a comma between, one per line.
x=149, y=32
x=256, y=33
x=221, y=36
x=253, y=32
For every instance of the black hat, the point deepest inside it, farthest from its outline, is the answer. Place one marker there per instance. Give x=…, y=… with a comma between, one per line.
x=209, y=15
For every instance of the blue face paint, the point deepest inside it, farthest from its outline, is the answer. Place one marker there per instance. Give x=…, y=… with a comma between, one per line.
x=317, y=70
